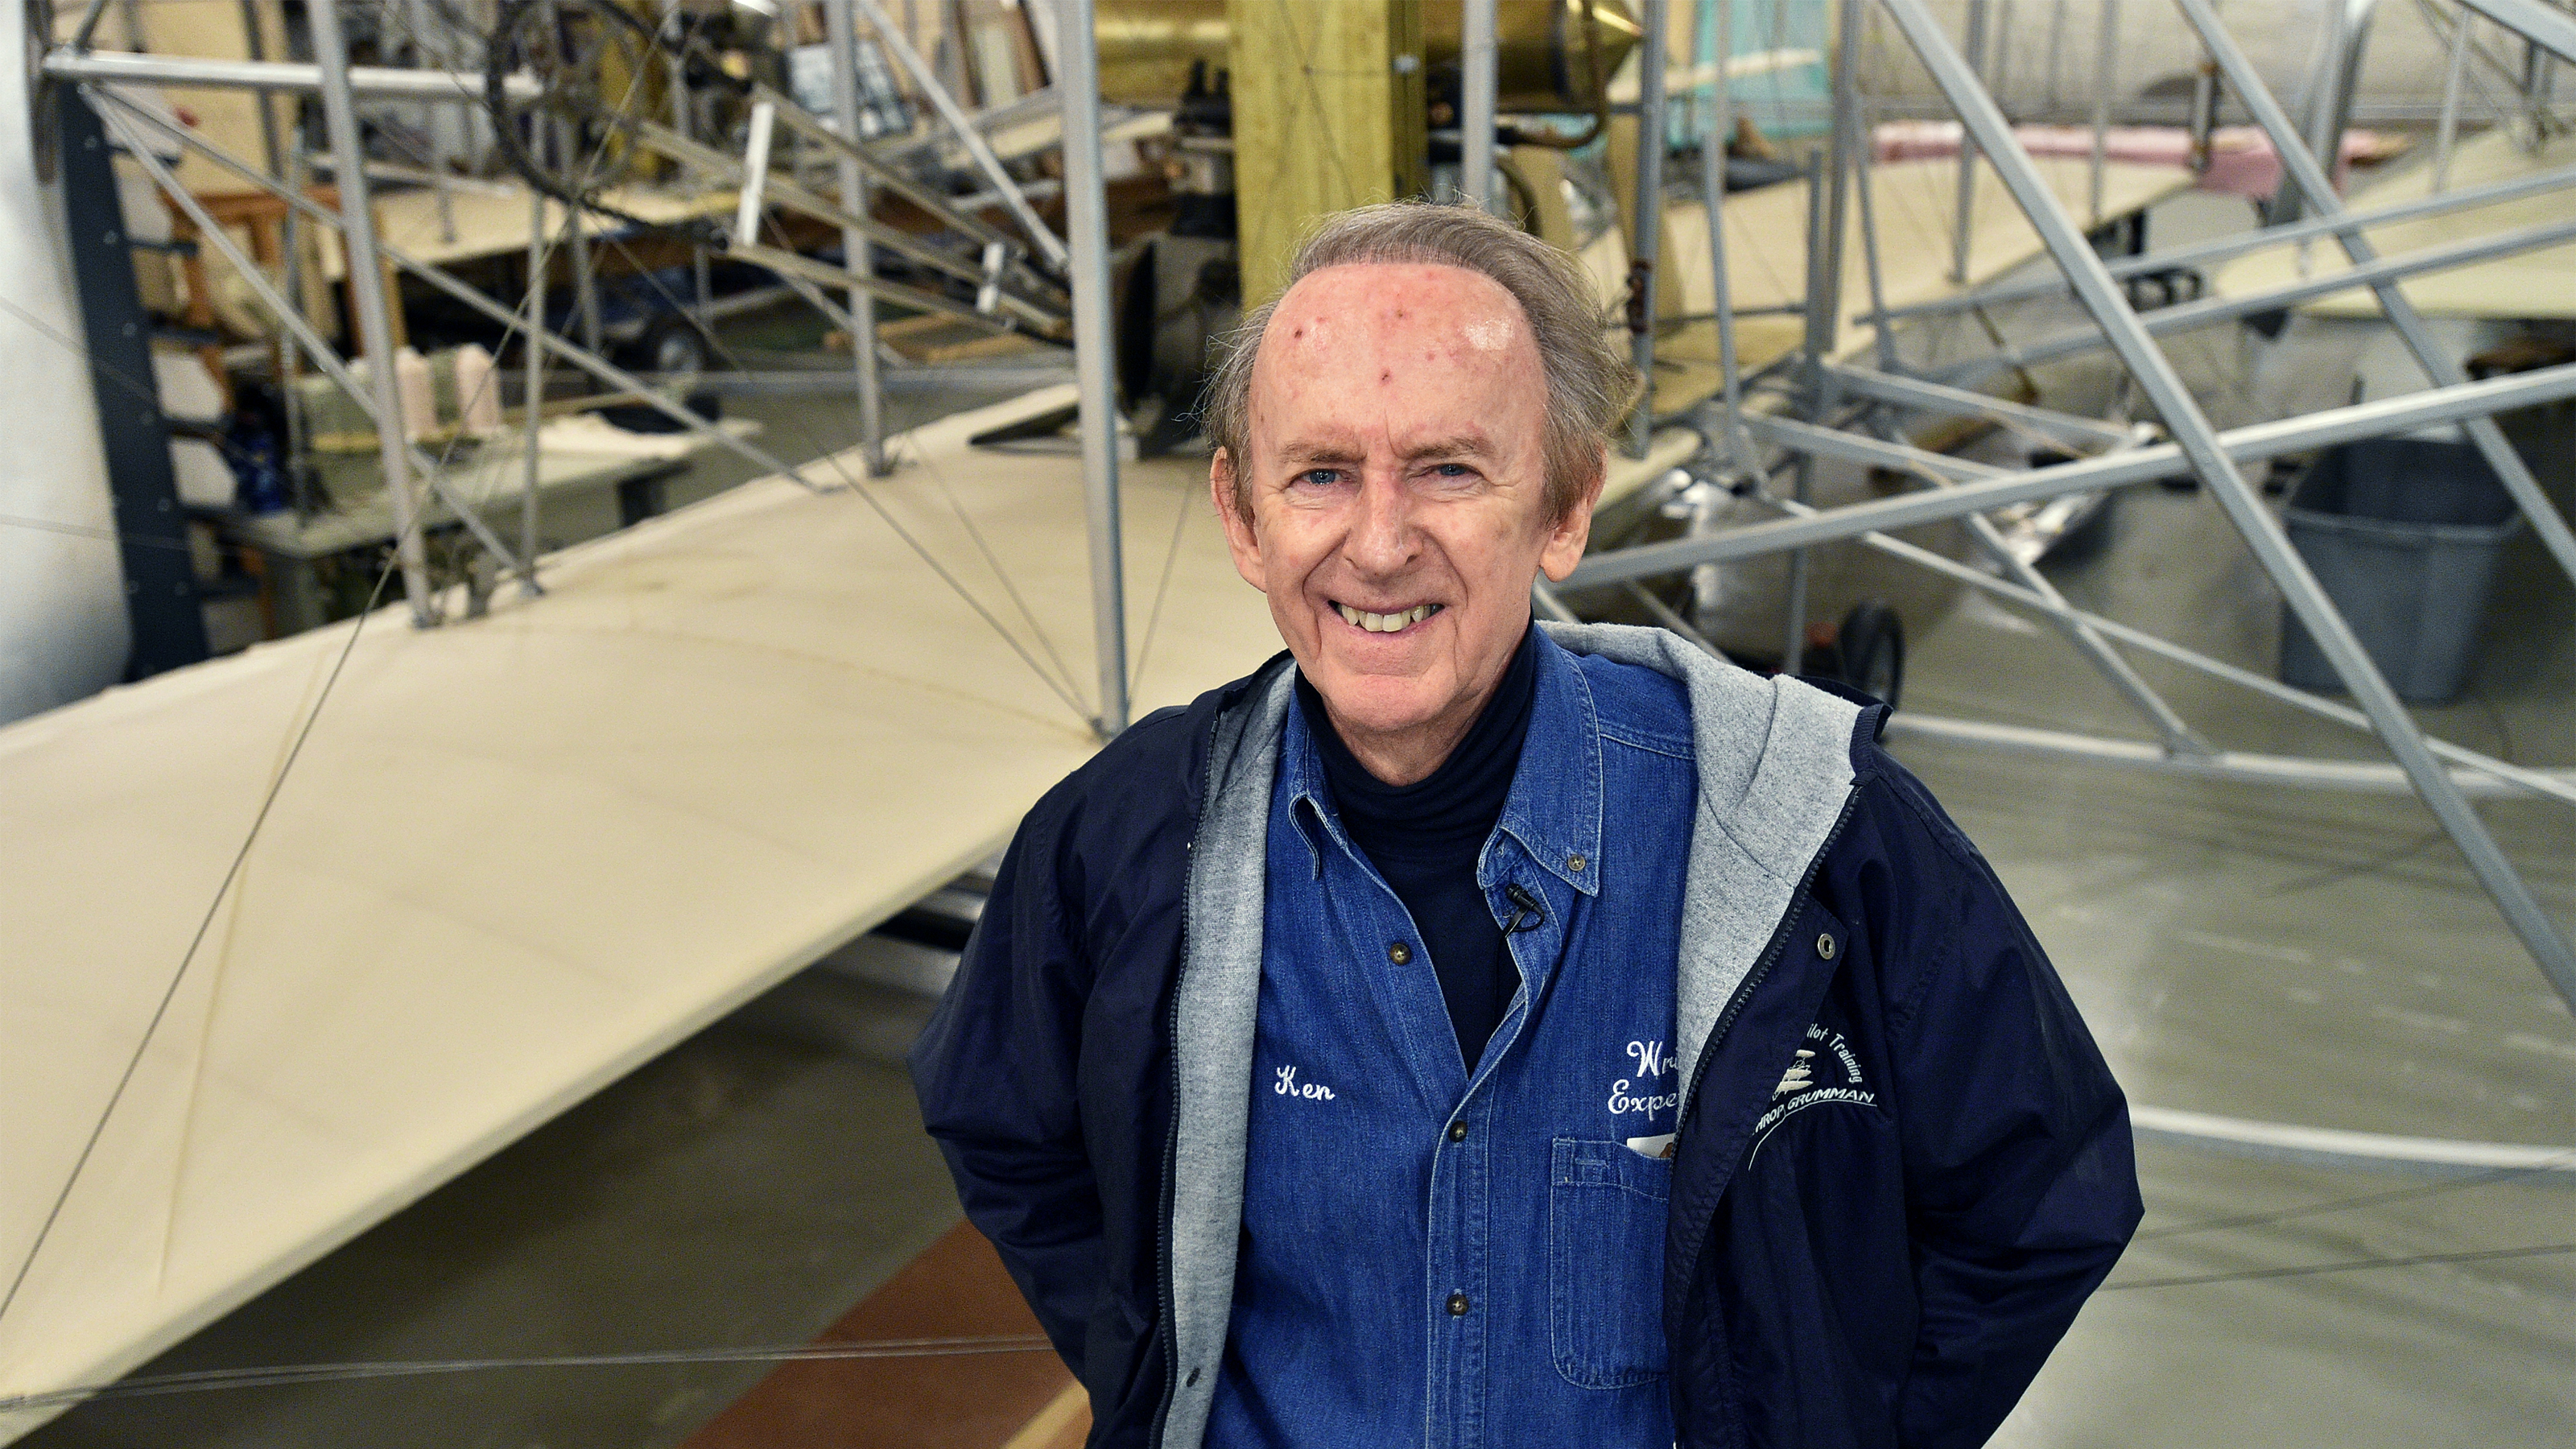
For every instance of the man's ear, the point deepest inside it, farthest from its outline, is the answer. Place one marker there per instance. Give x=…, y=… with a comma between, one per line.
x=1239, y=539
x=1568, y=536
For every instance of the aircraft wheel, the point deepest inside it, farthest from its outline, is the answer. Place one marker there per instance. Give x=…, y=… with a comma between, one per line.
x=1870, y=650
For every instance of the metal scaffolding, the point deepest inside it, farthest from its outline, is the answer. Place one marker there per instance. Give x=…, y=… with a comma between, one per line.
x=1833, y=409
x=1028, y=278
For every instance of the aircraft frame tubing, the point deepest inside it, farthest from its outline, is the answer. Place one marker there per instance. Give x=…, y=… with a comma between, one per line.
x=2200, y=443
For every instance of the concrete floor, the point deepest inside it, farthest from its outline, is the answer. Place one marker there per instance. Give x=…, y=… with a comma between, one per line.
x=2294, y=956
x=2310, y=958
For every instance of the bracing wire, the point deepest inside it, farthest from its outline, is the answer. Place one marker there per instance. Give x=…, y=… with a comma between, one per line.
x=85, y=530
x=2352, y=1265
x=304, y=732
x=277, y=1375
x=126, y=383
x=2362, y=1200
x=232, y=872
x=170, y=993
x=305, y=729
x=858, y=485
x=1315, y=106
x=1162, y=587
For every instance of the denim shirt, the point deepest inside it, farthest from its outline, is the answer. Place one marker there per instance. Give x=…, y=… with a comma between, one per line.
x=1476, y=1248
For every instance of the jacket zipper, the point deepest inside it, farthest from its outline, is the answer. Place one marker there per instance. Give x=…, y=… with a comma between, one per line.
x=1771, y=953
x=1172, y=1138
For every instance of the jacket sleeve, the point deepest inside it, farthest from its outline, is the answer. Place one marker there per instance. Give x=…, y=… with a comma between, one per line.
x=995, y=1073
x=2021, y=1184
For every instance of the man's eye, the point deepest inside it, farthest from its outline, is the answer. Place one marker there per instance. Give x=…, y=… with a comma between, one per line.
x=1319, y=477
x=1455, y=470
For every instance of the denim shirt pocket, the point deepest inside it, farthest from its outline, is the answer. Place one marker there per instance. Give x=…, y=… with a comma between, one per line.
x=1605, y=1261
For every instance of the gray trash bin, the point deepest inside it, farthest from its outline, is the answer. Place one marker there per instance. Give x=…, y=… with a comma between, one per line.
x=2404, y=533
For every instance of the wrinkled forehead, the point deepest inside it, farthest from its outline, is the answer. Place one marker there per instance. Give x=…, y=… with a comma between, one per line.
x=1342, y=326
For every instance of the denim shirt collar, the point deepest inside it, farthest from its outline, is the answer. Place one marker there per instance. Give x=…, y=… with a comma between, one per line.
x=1554, y=807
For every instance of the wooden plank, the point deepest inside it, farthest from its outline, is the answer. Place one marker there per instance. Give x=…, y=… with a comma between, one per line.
x=491, y=219
x=1323, y=120
x=955, y=1289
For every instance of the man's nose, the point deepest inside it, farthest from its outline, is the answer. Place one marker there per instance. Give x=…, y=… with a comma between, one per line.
x=1383, y=539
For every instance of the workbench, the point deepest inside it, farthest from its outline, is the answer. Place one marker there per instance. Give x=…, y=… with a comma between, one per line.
x=293, y=554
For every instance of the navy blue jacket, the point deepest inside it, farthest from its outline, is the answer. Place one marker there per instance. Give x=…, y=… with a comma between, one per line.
x=1890, y=1268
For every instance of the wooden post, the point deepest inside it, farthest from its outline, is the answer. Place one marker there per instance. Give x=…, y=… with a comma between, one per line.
x=1329, y=113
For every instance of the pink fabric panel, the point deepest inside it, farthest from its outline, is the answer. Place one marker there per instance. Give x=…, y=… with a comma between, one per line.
x=2241, y=161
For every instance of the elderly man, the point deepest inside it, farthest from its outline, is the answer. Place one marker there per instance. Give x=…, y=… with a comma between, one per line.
x=1468, y=1033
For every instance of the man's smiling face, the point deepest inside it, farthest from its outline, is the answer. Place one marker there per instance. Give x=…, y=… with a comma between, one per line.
x=1396, y=474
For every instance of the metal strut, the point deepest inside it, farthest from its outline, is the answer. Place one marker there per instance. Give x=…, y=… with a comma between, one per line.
x=2199, y=442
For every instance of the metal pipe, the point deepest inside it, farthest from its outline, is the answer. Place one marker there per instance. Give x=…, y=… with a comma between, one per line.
x=2379, y=274
x=1999, y=54
x=1825, y=290
x=1817, y=343
x=2068, y=429
x=2199, y=441
x=894, y=39
x=2056, y=51
x=2438, y=365
x=374, y=320
x=791, y=265
x=2203, y=125
x=2447, y=132
x=755, y=170
x=375, y=82
x=948, y=209
x=676, y=76
x=293, y=323
x=2236, y=766
x=2333, y=1148
x=2319, y=103
x=2218, y=248
x=2381, y=417
x=2542, y=25
x=2177, y=736
x=581, y=357
x=841, y=32
x=2106, y=68
x=290, y=231
x=1645, y=245
x=1882, y=336
x=1736, y=446
x=1478, y=55
x=90, y=16
x=1086, y=218
x=1962, y=219
x=1662, y=613
x=538, y=262
x=777, y=190
x=2559, y=785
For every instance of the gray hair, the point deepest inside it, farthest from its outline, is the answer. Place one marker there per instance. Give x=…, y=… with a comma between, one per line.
x=1589, y=384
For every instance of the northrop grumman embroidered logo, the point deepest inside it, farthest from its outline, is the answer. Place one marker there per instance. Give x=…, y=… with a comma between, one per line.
x=1825, y=1071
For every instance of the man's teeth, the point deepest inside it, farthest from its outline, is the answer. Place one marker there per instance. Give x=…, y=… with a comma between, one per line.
x=1387, y=623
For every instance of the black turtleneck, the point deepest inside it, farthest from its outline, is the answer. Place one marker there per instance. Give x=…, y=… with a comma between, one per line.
x=1424, y=839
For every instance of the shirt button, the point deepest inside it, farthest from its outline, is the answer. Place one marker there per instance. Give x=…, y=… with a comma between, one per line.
x=1825, y=947
x=1399, y=953
x=1574, y=862
x=1457, y=1131
x=1457, y=1305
